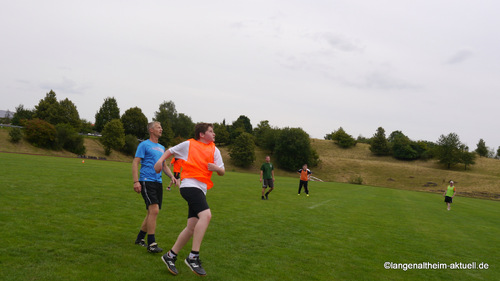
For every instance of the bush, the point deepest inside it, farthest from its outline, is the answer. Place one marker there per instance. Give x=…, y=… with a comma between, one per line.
x=41, y=134
x=69, y=139
x=342, y=138
x=131, y=144
x=242, y=150
x=293, y=149
x=356, y=180
x=15, y=135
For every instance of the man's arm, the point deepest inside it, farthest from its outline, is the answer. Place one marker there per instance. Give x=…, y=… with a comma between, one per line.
x=166, y=170
x=214, y=168
x=159, y=164
x=135, y=174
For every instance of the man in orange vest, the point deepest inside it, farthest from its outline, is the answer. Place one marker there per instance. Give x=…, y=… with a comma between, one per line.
x=305, y=176
x=201, y=159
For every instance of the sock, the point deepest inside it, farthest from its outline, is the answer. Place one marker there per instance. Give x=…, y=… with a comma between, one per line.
x=141, y=235
x=151, y=239
x=193, y=255
x=267, y=193
x=171, y=254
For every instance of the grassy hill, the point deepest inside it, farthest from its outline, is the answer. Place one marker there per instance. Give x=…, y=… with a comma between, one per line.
x=342, y=165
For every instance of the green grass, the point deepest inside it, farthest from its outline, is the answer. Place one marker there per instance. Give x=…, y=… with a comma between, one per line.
x=61, y=219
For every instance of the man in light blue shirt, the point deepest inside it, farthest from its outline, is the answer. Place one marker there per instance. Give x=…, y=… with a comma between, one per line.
x=149, y=184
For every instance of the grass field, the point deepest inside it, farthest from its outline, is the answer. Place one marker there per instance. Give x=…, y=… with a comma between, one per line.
x=61, y=219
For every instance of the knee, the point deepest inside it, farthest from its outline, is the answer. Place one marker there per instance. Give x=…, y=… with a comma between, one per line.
x=205, y=215
x=153, y=210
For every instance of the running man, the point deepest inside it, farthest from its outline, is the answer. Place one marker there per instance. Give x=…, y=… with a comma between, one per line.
x=201, y=158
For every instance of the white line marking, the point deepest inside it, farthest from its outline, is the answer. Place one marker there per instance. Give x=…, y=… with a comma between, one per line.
x=319, y=204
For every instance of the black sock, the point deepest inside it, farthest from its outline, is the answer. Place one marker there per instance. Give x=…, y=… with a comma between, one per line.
x=267, y=193
x=151, y=239
x=141, y=235
x=172, y=254
x=193, y=255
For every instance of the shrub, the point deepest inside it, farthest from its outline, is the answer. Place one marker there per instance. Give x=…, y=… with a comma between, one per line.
x=15, y=135
x=131, y=144
x=41, y=134
x=356, y=180
x=69, y=139
x=242, y=150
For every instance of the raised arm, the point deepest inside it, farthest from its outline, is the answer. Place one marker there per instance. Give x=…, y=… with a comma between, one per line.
x=159, y=164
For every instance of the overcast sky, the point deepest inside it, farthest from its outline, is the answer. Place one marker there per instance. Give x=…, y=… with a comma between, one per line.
x=424, y=67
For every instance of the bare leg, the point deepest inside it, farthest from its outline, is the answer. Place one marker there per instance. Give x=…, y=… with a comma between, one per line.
x=185, y=235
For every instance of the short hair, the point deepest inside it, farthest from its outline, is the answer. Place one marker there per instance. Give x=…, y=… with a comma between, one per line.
x=201, y=128
x=152, y=124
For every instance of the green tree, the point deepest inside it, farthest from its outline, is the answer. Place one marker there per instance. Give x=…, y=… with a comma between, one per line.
x=293, y=149
x=183, y=126
x=165, y=115
x=448, y=149
x=402, y=147
x=266, y=136
x=41, y=133
x=221, y=134
x=113, y=136
x=135, y=123
x=21, y=114
x=379, y=145
x=242, y=124
x=482, y=149
x=49, y=109
x=343, y=139
x=69, y=139
x=69, y=114
x=498, y=152
x=242, y=150
x=131, y=143
x=108, y=111
x=467, y=158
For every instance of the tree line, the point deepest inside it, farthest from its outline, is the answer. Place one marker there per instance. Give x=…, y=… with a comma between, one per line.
x=56, y=124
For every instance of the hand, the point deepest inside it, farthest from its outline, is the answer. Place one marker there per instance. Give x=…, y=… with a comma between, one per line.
x=137, y=187
x=212, y=167
x=175, y=181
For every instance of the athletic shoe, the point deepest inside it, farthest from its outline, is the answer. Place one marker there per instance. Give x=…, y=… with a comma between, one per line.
x=140, y=242
x=168, y=188
x=170, y=262
x=195, y=265
x=263, y=198
x=266, y=196
x=153, y=248
x=298, y=194
x=307, y=195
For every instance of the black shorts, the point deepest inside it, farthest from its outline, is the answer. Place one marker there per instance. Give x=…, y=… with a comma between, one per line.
x=177, y=175
x=267, y=183
x=196, y=199
x=448, y=199
x=152, y=192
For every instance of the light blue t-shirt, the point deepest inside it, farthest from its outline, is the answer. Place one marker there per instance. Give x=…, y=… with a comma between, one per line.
x=149, y=152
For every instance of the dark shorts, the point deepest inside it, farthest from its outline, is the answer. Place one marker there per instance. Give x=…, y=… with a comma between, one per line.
x=177, y=175
x=152, y=192
x=303, y=183
x=267, y=183
x=196, y=199
x=448, y=199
